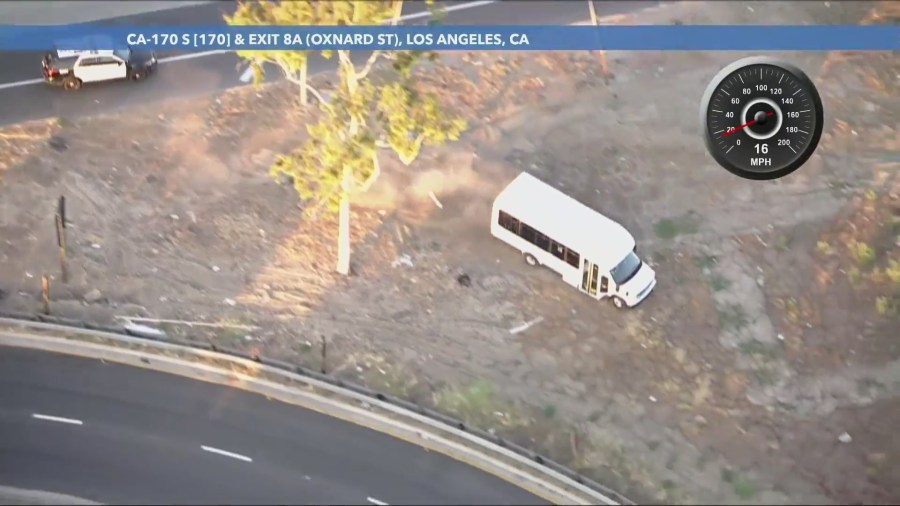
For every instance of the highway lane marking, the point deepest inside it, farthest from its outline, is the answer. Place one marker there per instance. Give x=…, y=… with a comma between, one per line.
x=226, y=453
x=376, y=501
x=191, y=56
x=20, y=83
x=58, y=419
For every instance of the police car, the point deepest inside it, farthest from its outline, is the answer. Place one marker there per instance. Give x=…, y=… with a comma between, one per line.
x=72, y=68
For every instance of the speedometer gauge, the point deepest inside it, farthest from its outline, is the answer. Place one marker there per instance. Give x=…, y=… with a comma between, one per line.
x=761, y=118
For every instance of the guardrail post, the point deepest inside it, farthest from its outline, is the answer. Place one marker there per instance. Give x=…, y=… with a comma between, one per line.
x=324, y=364
x=45, y=293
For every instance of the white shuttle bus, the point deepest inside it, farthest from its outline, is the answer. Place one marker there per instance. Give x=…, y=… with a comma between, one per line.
x=590, y=251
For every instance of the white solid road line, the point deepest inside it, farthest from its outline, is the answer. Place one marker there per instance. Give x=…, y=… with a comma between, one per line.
x=376, y=501
x=20, y=83
x=58, y=419
x=191, y=56
x=224, y=453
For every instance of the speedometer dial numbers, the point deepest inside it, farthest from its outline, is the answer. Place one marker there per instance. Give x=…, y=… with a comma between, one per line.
x=761, y=119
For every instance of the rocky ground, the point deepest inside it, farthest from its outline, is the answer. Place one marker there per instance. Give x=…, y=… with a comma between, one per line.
x=765, y=368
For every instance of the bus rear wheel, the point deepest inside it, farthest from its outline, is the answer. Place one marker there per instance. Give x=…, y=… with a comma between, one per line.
x=530, y=260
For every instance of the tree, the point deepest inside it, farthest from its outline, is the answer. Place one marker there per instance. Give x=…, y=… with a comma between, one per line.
x=363, y=117
x=294, y=64
x=601, y=54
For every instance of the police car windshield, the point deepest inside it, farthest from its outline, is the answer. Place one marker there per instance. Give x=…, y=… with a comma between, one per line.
x=124, y=54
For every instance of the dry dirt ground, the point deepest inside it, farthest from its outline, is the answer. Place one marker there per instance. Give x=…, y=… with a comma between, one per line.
x=765, y=368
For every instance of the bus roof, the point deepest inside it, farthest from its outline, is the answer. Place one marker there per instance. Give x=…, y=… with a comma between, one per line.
x=566, y=220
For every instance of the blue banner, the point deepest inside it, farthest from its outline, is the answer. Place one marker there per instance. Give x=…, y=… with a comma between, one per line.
x=456, y=38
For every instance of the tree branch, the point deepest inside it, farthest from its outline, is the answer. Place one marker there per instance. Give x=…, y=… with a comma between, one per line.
x=369, y=64
x=310, y=89
x=376, y=171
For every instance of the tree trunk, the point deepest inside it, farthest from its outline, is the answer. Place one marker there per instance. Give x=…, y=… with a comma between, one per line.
x=398, y=12
x=304, y=85
x=601, y=55
x=343, y=261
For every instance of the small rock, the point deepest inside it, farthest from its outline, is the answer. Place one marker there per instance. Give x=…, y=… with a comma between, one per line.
x=93, y=296
x=230, y=302
x=845, y=438
x=781, y=337
x=404, y=260
x=652, y=399
x=174, y=217
x=95, y=246
x=215, y=268
x=58, y=143
x=700, y=420
x=464, y=280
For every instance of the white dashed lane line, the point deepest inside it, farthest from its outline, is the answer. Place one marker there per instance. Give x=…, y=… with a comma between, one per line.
x=57, y=419
x=210, y=449
x=226, y=453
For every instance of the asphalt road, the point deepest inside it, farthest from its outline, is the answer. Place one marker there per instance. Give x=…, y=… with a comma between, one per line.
x=122, y=435
x=191, y=77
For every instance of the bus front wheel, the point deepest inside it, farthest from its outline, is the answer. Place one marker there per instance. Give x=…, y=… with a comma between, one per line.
x=618, y=302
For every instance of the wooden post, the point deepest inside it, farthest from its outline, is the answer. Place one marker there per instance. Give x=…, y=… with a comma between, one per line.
x=61, y=242
x=61, y=209
x=324, y=355
x=45, y=293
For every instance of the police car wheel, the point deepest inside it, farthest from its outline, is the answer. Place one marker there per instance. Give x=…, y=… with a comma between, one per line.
x=72, y=83
x=619, y=303
x=138, y=76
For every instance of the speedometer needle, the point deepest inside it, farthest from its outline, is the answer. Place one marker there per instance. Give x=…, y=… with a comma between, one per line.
x=745, y=125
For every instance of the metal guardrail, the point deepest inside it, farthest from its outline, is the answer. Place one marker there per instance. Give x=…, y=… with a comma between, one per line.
x=353, y=387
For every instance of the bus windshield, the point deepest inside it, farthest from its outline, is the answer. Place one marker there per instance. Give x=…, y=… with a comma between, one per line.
x=626, y=269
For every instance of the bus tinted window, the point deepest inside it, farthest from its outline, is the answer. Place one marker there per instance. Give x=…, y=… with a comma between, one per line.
x=542, y=241
x=508, y=222
x=558, y=250
x=527, y=233
x=572, y=258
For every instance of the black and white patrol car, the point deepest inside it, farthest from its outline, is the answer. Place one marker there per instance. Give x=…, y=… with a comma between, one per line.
x=72, y=68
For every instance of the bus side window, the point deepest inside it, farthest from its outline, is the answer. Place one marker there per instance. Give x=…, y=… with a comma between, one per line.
x=508, y=222
x=558, y=250
x=572, y=258
x=541, y=241
x=527, y=233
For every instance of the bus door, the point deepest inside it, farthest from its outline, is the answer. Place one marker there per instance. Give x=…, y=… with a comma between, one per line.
x=590, y=275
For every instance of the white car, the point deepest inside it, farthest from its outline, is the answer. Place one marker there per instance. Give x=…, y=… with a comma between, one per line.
x=72, y=68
